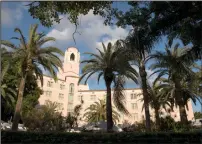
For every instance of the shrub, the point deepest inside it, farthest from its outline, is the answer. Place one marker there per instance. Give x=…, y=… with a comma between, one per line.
x=169, y=124
x=89, y=138
x=138, y=127
x=44, y=118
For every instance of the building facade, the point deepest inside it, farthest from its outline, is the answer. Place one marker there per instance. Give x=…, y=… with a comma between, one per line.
x=67, y=93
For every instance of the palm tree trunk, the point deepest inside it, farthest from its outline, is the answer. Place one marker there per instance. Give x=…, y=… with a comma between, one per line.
x=157, y=118
x=143, y=75
x=179, y=99
x=19, y=103
x=109, y=107
x=183, y=114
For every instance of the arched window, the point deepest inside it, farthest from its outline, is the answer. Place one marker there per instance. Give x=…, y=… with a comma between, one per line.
x=72, y=57
x=71, y=88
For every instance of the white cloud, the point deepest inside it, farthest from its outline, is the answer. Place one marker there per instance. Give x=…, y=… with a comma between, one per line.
x=91, y=29
x=9, y=16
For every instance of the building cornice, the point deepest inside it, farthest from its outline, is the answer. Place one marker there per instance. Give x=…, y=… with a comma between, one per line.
x=52, y=77
x=106, y=90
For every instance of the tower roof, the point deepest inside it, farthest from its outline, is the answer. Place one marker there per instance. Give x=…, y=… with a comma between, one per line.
x=72, y=48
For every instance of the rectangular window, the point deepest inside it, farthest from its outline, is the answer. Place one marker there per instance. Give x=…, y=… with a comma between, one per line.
x=70, y=98
x=49, y=84
x=93, y=97
x=70, y=107
x=62, y=86
x=134, y=106
x=48, y=93
x=135, y=116
x=61, y=96
x=60, y=106
x=80, y=98
x=133, y=96
x=46, y=102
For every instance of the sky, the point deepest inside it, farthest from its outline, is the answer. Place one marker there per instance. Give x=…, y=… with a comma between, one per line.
x=91, y=28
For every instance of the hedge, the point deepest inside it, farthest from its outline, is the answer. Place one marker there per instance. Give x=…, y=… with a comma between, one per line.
x=8, y=137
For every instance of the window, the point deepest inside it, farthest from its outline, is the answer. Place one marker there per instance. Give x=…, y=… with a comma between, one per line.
x=47, y=101
x=80, y=97
x=62, y=86
x=48, y=93
x=70, y=98
x=72, y=57
x=135, y=116
x=60, y=106
x=70, y=107
x=71, y=88
x=49, y=84
x=61, y=96
x=133, y=96
x=134, y=106
x=93, y=97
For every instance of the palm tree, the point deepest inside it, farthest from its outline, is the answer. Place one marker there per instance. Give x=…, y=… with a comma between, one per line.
x=97, y=112
x=157, y=101
x=8, y=95
x=176, y=66
x=139, y=45
x=113, y=65
x=30, y=56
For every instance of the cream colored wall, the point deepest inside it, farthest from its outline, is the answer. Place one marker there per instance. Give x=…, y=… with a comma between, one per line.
x=70, y=74
x=55, y=89
x=101, y=94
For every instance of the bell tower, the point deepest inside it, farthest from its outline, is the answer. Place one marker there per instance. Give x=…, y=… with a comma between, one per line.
x=71, y=61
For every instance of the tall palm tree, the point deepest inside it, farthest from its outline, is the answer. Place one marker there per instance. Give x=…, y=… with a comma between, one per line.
x=157, y=101
x=30, y=55
x=176, y=66
x=113, y=65
x=97, y=112
x=139, y=45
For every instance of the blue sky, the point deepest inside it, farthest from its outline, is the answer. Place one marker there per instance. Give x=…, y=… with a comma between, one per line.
x=93, y=32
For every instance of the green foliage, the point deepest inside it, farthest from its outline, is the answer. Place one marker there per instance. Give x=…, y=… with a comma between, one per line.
x=29, y=57
x=113, y=65
x=97, y=112
x=44, y=118
x=197, y=115
x=139, y=127
x=72, y=118
x=92, y=138
x=50, y=12
x=11, y=79
x=168, y=124
x=175, y=64
x=175, y=19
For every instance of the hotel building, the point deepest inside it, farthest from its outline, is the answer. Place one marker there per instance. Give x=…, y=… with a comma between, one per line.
x=67, y=93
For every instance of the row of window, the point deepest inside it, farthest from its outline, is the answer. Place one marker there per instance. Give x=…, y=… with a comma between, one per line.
x=92, y=97
x=62, y=86
x=80, y=97
x=50, y=84
x=49, y=93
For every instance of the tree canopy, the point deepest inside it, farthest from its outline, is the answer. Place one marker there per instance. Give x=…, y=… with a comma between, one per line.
x=49, y=12
x=176, y=19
